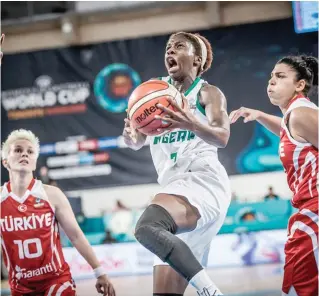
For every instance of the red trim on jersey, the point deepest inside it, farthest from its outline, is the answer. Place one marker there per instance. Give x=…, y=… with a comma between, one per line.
x=300, y=161
x=300, y=96
x=29, y=187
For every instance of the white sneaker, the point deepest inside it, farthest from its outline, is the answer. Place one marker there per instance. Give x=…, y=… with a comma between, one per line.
x=205, y=292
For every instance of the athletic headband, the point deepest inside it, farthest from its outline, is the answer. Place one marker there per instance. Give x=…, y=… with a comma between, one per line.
x=203, y=50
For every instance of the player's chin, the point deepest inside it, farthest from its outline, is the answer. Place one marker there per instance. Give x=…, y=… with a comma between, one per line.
x=274, y=100
x=175, y=73
x=25, y=168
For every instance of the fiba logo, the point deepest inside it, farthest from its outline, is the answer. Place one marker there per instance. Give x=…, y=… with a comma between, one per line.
x=22, y=208
x=114, y=85
x=43, y=82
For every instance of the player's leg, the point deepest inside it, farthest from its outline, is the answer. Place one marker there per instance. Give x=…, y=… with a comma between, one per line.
x=167, y=282
x=156, y=229
x=64, y=288
x=301, y=268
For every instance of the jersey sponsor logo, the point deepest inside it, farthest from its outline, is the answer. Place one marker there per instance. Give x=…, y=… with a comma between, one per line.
x=147, y=112
x=22, y=273
x=22, y=208
x=38, y=203
x=9, y=223
x=172, y=137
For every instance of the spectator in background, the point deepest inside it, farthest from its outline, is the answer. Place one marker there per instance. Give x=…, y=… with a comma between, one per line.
x=44, y=175
x=53, y=183
x=234, y=197
x=109, y=239
x=120, y=207
x=271, y=195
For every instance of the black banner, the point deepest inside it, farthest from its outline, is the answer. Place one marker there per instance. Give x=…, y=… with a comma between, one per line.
x=74, y=100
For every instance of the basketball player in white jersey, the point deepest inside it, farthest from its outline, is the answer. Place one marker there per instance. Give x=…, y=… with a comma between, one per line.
x=189, y=210
x=29, y=232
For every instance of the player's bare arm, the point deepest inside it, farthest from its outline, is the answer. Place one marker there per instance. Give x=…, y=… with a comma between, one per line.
x=133, y=138
x=214, y=102
x=269, y=121
x=303, y=123
x=66, y=218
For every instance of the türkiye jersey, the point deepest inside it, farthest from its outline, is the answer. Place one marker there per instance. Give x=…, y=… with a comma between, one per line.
x=300, y=160
x=173, y=152
x=30, y=239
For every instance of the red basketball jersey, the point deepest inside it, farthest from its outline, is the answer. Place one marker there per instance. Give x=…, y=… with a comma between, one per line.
x=30, y=239
x=300, y=160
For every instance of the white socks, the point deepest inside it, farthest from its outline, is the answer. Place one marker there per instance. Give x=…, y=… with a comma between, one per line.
x=202, y=281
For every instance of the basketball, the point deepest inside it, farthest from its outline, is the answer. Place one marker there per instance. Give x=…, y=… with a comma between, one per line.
x=142, y=105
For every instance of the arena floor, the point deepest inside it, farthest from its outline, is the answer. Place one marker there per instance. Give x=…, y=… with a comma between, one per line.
x=259, y=280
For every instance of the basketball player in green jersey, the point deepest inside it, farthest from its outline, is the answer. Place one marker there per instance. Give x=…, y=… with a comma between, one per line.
x=188, y=211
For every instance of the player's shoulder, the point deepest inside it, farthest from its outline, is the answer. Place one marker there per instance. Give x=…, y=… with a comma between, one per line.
x=207, y=87
x=55, y=195
x=52, y=191
x=210, y=92
x=300, y=115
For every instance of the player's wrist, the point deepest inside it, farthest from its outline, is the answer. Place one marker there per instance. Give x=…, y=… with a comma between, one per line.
x=99, y=271
x=259, y=115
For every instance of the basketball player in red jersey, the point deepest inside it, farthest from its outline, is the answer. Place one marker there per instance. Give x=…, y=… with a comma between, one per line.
x=290, y=82
x=30, y=213
x=191, y=205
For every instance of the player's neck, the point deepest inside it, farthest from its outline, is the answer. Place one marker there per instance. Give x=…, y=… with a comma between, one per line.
x=19, y=182
x=183, y=85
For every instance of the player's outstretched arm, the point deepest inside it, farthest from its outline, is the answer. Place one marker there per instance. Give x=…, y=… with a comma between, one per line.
x=270, y=122
x=304, y=124
x=66, y=218
x=133, y=138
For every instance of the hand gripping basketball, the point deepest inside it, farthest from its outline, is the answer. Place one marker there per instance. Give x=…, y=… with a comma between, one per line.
x=144, y=103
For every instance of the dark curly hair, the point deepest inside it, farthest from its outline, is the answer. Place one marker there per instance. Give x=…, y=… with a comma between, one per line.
x=306, y=67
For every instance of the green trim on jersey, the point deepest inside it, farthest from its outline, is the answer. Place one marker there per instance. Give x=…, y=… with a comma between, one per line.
x=193, y=85
x=200, y=107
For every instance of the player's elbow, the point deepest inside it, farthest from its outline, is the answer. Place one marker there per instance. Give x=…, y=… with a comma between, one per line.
x=222, y=143
x=223, y=138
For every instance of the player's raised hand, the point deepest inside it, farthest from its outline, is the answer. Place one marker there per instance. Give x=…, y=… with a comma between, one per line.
x=104, y=286
x=246, y=113
x=1, y=41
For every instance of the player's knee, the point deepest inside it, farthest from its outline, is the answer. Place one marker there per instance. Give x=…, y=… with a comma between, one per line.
x=158, y=217
x=154, y=219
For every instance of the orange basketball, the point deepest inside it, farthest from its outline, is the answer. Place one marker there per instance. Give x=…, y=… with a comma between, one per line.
x=142, y=105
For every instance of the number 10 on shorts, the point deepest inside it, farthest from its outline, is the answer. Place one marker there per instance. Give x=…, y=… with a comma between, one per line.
x=24, y=249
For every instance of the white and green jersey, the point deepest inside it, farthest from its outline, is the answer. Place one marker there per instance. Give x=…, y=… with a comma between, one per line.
x=173, y=152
